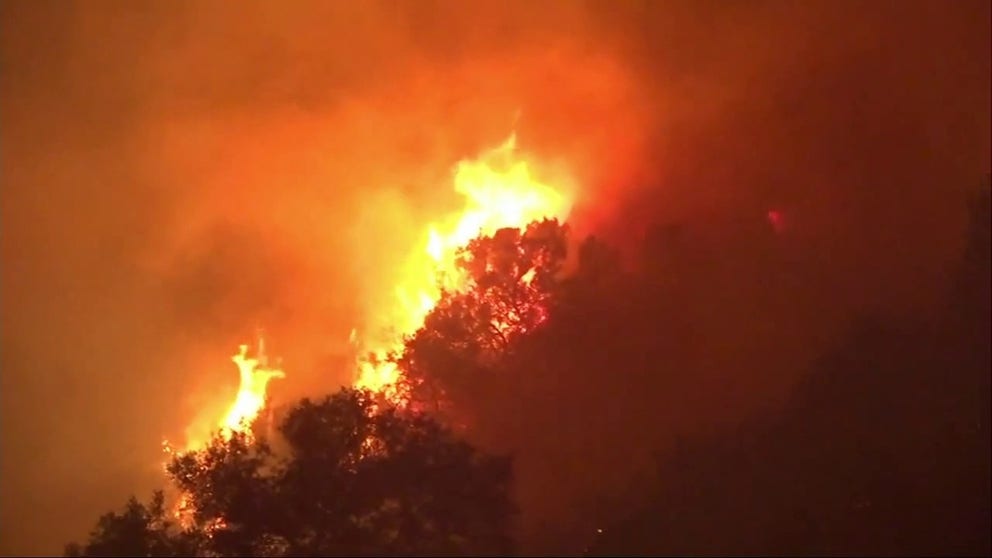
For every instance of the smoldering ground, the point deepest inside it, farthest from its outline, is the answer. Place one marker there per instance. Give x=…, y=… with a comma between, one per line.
x=177, y=174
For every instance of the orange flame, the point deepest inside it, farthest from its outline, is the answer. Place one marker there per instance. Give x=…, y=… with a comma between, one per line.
x=255, y=376
x=255, y=373
x=501, y=190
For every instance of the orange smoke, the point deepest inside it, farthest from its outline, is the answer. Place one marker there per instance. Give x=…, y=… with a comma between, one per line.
x=502, y=189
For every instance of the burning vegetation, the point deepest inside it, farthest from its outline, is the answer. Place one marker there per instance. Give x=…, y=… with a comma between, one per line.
x=383, y=466
x=678, y=316
x=388, y=471
x=502, y=191
x=479, y=279
x=491, y=237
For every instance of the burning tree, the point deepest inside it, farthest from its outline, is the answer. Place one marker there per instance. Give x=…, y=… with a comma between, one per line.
x=364, y=472
x=511, y=280
x=504, y=193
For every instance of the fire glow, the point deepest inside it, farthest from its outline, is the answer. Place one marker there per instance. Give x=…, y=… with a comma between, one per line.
x=501, y=189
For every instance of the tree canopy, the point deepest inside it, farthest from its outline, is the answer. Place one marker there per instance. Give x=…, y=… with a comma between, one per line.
x=883, y=448
x=345, y=477
x=511, y=281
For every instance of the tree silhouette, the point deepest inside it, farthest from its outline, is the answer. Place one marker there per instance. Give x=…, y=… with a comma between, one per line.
x=511, y=286
x=883, y=449
x=139, y=530
x=346, y=477
x=525, y=359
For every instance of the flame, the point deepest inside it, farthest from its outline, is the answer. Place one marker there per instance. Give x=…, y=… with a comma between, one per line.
x=255, y=375
x=501, y=190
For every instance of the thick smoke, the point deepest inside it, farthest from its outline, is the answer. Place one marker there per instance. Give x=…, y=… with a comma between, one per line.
x=176, y=175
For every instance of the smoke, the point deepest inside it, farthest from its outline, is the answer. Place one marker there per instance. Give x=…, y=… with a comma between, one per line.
x=176, y=175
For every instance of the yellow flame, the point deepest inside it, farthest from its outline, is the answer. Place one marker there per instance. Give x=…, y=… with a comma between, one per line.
x=501, y=190
x=255, y=375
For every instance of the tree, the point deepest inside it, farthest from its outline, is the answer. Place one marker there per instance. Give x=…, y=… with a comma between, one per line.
x=883, y=449
x=139, y=530
x=511, y=279
x=347, y=476
x=528, y=358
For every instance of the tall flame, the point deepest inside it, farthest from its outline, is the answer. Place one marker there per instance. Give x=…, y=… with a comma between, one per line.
x=501, y=190
x=255, y=375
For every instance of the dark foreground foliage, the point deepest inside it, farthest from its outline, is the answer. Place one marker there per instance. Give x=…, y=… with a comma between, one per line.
x=349, y=481
x=883, y=450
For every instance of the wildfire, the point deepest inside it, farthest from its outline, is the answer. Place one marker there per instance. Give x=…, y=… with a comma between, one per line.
x=501, y=190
